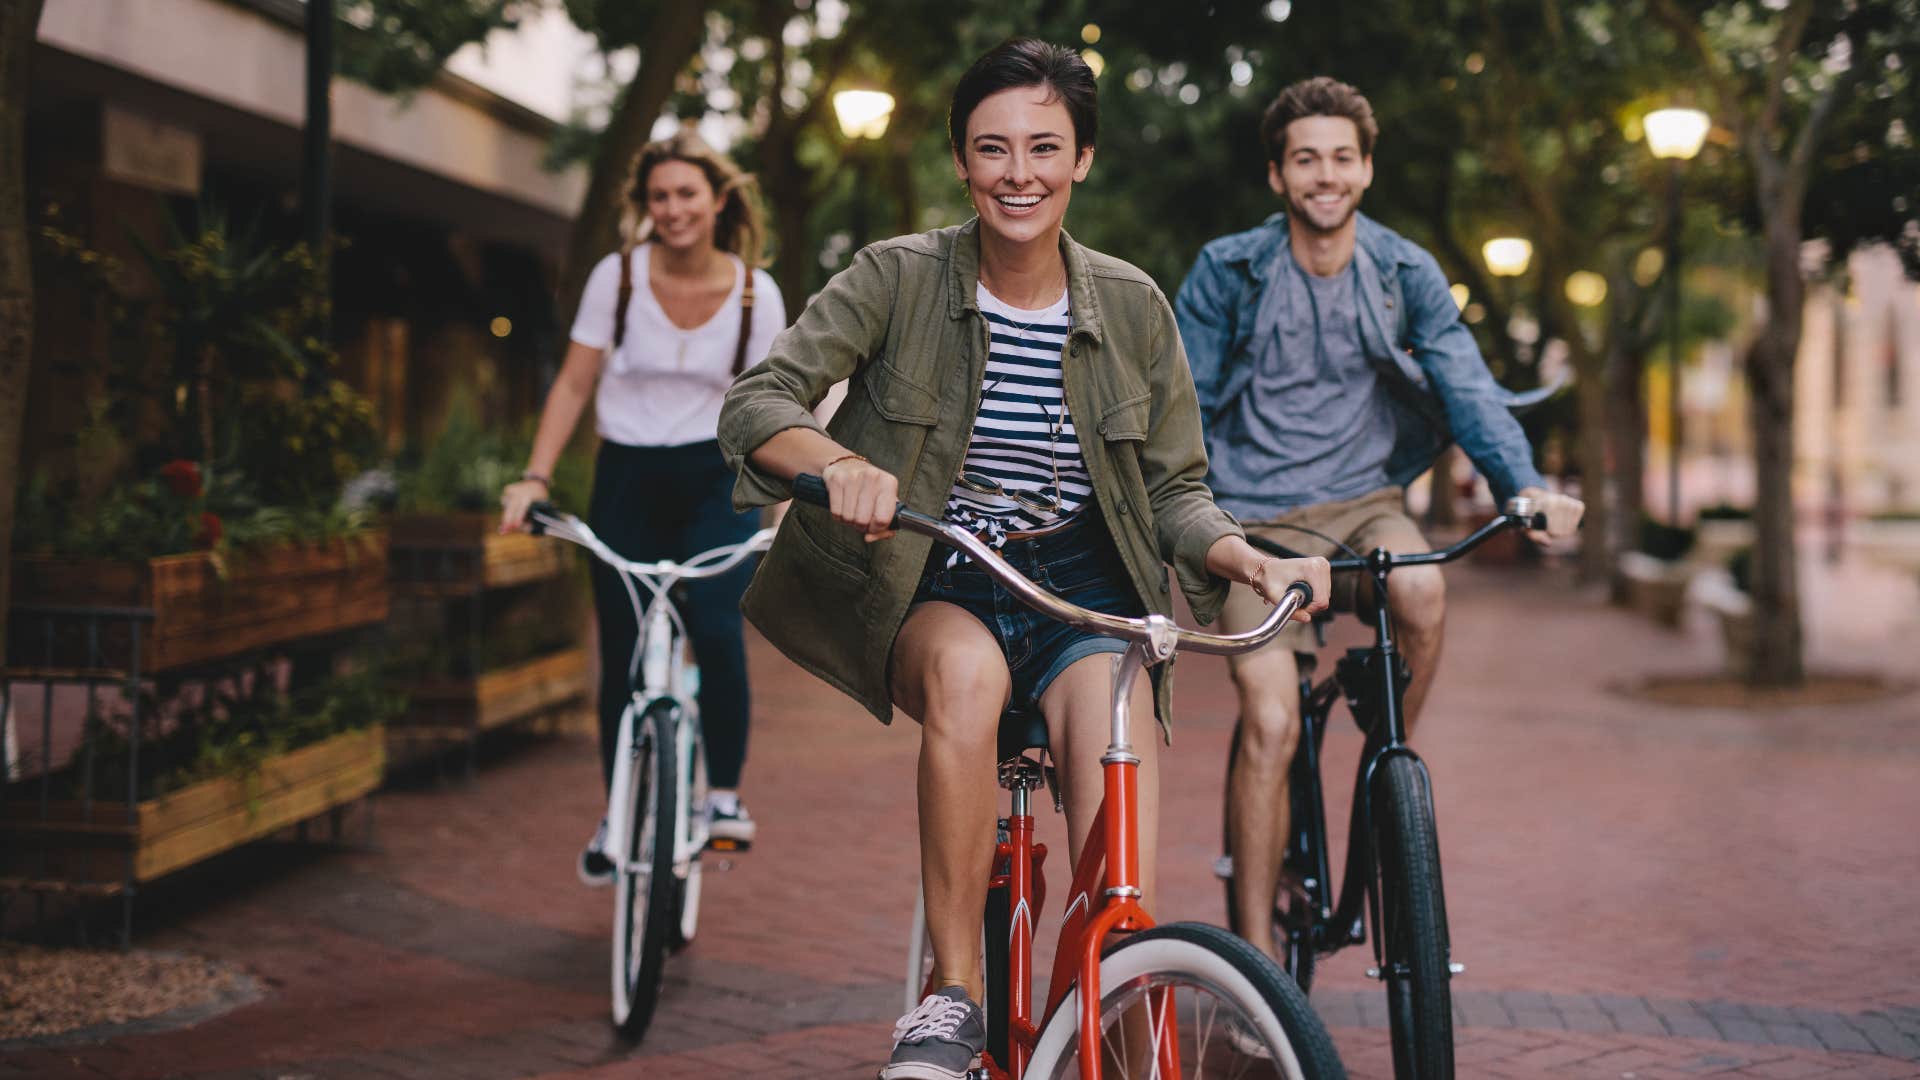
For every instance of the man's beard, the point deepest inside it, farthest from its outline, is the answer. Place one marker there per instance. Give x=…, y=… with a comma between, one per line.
x=1303, y=213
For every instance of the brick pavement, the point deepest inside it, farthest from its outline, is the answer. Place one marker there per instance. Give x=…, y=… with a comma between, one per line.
x=1637, y=891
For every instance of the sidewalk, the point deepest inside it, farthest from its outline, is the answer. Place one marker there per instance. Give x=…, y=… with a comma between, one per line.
x=1636, y=891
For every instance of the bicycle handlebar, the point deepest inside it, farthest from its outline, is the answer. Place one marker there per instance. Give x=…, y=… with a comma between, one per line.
x=1517, y=514
x=1157, y=632
x=544, y=518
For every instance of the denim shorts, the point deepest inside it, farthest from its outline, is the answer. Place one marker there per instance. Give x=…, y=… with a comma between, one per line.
x=1079, y=563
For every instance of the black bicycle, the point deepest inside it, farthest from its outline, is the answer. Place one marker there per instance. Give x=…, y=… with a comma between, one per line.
x=1392, y=874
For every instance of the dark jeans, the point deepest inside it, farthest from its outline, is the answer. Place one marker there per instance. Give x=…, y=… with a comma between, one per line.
x=674, y=502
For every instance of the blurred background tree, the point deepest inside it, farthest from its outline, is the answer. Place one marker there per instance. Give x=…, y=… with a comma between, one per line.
x=1498, y=117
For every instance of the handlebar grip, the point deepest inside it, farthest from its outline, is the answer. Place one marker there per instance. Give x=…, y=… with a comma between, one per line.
x=534, y=524
x=1305, y=590
x=1537, y=522
x=810, y=488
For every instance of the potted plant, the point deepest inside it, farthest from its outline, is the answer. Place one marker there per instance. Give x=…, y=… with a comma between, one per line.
x=1721, y=530
x=445, y=535
x=205, y=486
x=495, y=617
x=1653, y=579
x=208, y=773
x=1727, y=595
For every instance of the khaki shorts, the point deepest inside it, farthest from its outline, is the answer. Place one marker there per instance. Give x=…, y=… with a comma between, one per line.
x=1370, y=521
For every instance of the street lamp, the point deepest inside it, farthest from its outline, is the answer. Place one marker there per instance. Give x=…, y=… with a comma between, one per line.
x=1676, y=135
x=1507, y=256
x=863, y=116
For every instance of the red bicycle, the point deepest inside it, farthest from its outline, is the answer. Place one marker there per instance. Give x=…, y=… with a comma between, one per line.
x=1127, y=997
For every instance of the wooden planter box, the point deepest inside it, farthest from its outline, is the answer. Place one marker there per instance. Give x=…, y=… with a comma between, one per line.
x=89, y=845
x=1654, y=587
x=267, y=597
x=461, y=554
x=462, y=707
x=1716, y=539
x=1733, y=610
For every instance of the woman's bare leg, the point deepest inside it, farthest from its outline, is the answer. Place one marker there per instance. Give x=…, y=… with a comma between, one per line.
x=949, y=674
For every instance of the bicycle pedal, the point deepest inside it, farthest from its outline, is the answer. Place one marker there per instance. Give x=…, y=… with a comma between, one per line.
x=729, y=844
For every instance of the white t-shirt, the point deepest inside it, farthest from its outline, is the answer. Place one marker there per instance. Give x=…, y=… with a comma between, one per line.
x=664, y=385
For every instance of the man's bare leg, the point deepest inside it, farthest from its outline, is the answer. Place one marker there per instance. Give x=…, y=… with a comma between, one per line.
x=1419, y=598
x=1258, y=811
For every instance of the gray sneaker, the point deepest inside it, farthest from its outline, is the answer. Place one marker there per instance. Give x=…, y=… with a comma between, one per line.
x=938, y=1040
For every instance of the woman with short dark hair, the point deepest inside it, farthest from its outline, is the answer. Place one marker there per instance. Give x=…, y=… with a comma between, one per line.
x=1009, y=379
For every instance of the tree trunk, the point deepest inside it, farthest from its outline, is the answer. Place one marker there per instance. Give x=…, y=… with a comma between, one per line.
x=673, y=39
x=1777, y=646
x=19, y=20
x=1627, y=435
x=1598, y=486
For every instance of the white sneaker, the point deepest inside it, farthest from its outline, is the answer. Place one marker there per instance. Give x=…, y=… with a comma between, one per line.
x=730, y=827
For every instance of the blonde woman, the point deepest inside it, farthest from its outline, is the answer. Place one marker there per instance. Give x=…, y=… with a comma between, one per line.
x=664, y=325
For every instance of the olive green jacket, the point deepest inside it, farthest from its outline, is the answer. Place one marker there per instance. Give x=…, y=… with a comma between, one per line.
x=902, y=324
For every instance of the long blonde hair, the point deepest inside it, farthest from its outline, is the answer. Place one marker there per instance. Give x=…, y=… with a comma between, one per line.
x=739, y=228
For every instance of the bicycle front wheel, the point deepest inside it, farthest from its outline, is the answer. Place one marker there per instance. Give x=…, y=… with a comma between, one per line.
x=687, y=890
x=643, y=912
x=1413, y=910
x=1198, y=992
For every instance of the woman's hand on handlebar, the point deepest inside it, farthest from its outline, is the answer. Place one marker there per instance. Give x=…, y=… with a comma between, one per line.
x=515, y=498
x=1274, y=575
x=863, y=495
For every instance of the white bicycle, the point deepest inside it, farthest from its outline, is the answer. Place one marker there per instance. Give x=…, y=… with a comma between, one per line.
x=657, y=825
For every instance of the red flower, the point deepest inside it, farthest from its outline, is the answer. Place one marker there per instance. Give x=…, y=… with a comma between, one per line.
x=182, y=477
x=210, y=530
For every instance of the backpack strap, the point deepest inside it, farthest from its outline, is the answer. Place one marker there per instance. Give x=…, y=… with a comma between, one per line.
x=746, y=323
x=626, y=294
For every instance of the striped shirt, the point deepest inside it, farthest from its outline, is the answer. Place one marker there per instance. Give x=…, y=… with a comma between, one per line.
x=1023, y=439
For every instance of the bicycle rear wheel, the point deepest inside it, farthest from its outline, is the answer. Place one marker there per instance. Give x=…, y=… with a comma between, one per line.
x=1414, y=913
x=643, y=911
x=1233, y=1013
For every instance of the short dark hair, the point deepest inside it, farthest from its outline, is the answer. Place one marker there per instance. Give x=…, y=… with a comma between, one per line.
x=1021, y=62
x=1318, y=96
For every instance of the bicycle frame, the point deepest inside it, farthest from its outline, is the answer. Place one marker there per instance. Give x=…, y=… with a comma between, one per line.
x=1110, y=861
x=658, y=670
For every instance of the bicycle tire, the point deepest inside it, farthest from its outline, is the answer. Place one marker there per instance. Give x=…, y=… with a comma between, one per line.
x=643, y=906
x=686, y=893
x=996, y=940
x=1180, y=956
x=1414, y=911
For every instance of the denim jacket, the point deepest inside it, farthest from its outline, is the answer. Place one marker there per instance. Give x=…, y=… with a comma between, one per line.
x=1410, y=329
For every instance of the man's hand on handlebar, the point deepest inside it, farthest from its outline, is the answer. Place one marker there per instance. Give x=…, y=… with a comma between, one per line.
x=1563, y=514
x=863, y=495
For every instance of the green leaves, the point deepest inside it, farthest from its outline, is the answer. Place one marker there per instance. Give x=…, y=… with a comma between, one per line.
x=398, y=46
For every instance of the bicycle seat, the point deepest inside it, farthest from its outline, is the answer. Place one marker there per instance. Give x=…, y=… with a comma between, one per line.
x=1021, y=729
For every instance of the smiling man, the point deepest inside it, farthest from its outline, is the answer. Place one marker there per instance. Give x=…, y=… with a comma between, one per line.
x=1332, y=367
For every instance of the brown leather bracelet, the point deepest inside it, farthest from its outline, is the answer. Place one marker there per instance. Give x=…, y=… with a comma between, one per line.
x=1253, y=579
x=545, y=481
x=843, y=457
